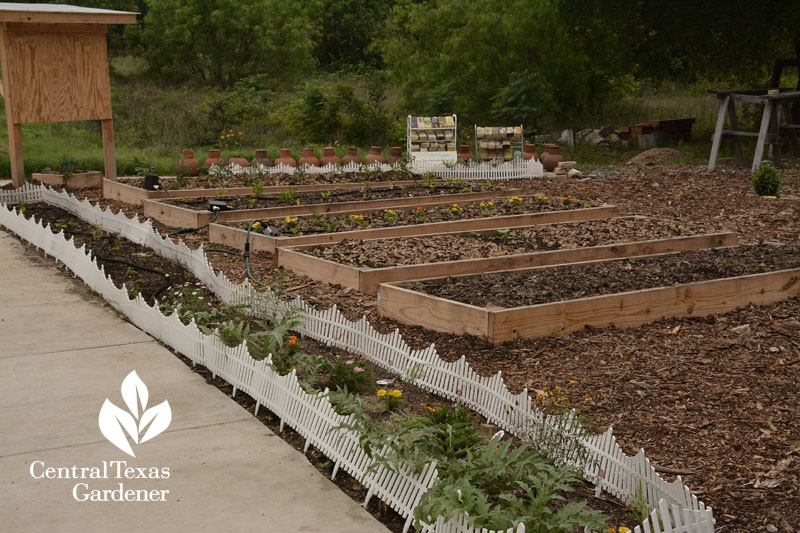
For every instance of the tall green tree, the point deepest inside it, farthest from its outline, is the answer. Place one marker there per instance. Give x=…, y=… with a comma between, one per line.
x=346, y=31
x=506, y=61
x=218, y=42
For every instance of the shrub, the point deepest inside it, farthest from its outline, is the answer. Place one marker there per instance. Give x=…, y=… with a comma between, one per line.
x=766, y=180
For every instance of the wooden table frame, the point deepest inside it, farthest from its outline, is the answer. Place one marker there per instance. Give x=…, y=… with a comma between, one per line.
x=776, y=102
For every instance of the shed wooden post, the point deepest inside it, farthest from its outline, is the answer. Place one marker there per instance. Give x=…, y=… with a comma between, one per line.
x=55, y=68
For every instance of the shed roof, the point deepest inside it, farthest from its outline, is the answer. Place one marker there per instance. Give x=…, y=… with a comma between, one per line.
x=60, y=13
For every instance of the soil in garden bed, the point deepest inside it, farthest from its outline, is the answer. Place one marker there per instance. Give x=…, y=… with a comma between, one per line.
x=329, y=197
x=333, y=223
x=414, y=401
x=438, y=248
x=699, y=394
x=568, y=282
x=298, y=178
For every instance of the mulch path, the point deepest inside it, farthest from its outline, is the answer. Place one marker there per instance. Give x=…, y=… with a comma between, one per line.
x=693, y=392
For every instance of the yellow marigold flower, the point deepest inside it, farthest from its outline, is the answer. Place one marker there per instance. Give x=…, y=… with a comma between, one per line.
x=491, y=203
x=381, y=393
x=230, y=131
x=221, y=136
x=623, y=529
x=455, y=205
x=396, y=393
x=287, y=219
x=558, y=389
x=587, y=399
x=572, y=382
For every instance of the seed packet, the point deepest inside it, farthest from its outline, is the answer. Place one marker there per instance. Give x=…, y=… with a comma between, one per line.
x=420, y=122
x=449, y=120
x=413, y=122
x=435, y=122
x=428, y=122
x=451, y=146
x=448, y=135
x=414, y=135
x=517, y=131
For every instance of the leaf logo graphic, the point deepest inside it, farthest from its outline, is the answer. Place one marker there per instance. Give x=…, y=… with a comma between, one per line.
x=138, y=423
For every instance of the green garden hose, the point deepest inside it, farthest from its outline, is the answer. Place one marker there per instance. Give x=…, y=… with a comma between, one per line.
x=191, y=230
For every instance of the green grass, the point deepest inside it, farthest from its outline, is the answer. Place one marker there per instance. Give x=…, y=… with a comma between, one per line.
x=47, y=145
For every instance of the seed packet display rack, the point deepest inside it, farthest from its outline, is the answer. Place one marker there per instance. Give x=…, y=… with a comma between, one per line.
x=432, y=138
x=498, y=143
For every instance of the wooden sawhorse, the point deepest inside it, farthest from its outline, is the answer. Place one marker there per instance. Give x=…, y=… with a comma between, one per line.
x=776, y=103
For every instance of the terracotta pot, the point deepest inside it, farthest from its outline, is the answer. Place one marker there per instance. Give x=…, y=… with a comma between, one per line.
x=261, y=159
x=374, y=155
x=352, y=156
x=552, y=157
x=463, y=153
x=395, y=154
x=329, y=156
x=237, y=160
x=189, y=162
x=213, y=158
x=529, y=152
x=309, y=158
x=286, y=158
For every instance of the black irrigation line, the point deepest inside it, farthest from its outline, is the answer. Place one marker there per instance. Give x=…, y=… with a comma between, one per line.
x=143, y=268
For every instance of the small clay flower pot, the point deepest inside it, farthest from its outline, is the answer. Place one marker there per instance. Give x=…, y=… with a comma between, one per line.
x=529, y=152
x=395, y=154
x=237, y=160
x=261, y=159
x=308, y=158
x=352, y=156
x=213, y=158
x=286, y=158
x=374, y=155
x=189, y=162
x=329, y=156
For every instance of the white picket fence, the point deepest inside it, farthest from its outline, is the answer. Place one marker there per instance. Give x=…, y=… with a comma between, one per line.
x=599, y=457
x=473, y=170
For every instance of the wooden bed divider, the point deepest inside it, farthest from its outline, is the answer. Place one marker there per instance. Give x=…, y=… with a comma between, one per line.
x=123, y=192
x=366, y=279
x=174, y=215
x=235, y=237
x=623, y=310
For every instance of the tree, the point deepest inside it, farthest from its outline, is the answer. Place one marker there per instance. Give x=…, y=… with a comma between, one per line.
x=489, y=61
x=218, y=42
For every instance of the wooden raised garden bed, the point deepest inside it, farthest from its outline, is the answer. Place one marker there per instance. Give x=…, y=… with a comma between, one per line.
x=407, y=303
x=129, y=194
x=175, y=215
x=78, y=180
x=312, y=261
x=234, y=237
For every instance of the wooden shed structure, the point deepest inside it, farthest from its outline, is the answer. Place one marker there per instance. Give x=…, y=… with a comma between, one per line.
x=54, y=64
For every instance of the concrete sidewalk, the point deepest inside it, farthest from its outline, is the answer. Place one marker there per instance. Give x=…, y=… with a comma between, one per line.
x=62, y=353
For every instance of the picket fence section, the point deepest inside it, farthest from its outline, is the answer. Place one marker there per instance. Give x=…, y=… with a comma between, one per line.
x=599, y=457
x=473, y=170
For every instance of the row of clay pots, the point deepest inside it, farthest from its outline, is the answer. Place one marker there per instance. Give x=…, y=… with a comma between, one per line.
x=328, y=157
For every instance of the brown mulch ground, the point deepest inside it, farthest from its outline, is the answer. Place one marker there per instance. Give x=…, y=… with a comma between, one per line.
x=694, y=393
x=570, y=282
x=497, y=243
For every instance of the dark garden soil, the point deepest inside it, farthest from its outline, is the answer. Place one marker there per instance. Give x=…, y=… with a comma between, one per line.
x=568, y=282
x=329, y=197
x=713, y=396
x=333, y=223
x=438, y=248
x=208, y=182
x=121, y=260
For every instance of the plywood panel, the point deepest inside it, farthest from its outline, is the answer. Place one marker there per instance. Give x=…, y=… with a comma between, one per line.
x=56, y=77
